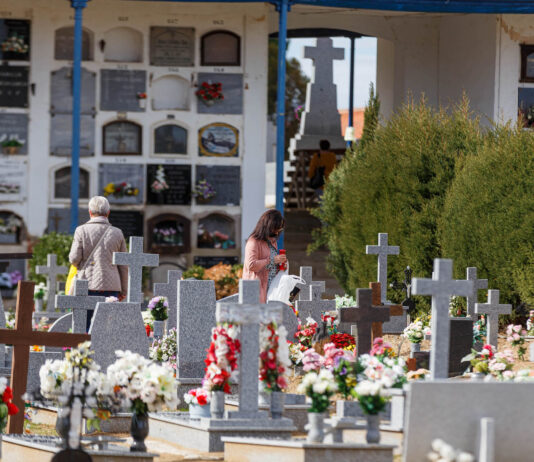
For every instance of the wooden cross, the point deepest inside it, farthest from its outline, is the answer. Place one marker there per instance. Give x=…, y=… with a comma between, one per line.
x=22, y=337
x=394, y=310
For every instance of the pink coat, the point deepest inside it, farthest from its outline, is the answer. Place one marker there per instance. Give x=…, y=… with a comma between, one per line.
x=257, y=257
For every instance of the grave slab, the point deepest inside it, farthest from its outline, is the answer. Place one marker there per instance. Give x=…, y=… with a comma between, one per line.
x=315, y=305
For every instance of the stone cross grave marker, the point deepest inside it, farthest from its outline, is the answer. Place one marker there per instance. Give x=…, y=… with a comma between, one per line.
x=492, y=310
x=472, y=298
x=169, y=290
x=79, y=303
x=394, y=310
x=382, y=250
x=52, y=271
x=22, y=337
x=441, y=287
x=363, y=315
x=315, y=306
x=306, y=274
x=135, y=259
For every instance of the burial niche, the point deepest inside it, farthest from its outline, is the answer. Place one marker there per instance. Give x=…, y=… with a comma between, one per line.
x=220, y=48
x=170, y=92
x=169, y=234
x=11, y=228
x=170, y=139
x=123, y=45
x=122, y=137
x=62, y=183
x=216, y=231
x=64, y=44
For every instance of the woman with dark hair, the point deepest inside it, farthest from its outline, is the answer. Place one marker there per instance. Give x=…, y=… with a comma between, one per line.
x=261, y=252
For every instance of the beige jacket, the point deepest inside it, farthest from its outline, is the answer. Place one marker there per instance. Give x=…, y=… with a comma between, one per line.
x=101, y=273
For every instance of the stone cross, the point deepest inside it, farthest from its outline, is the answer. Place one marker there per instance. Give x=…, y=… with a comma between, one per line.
x=52, y=271
x=306, y=274
x=323, y=54
x=363, y=315
x=492, y=310
x=394, y=310
x=135, y=260
x=79, y=303
x=315, y=306
x=472, y=298
x=441, y=287
x=382, y=250
x=169, y=290
x=22, y=337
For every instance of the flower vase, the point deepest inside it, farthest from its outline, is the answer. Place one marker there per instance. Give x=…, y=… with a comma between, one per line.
x=208, y=102
x=11, y=150
x=264, y=399
x=142, y=103
x=277, y=404
x=373, y=429
x=202, y=200
x=414, y=348
x=39, y=304
x=159, y=329
x=477, y=376
x=315, y=427
x=139, y=432
x=217, y=404
x=63, y=425
x=196, y=411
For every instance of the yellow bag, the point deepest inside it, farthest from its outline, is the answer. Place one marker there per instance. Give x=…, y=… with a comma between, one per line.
x=70, y=279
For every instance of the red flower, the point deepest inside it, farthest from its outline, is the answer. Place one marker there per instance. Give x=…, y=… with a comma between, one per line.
x=202, y=400
x=8, y=395
x=147, y=329
x=12, y=409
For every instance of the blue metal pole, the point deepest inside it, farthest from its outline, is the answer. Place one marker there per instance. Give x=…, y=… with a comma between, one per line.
x=351, y=88
x=283, y=8
x=78, y=6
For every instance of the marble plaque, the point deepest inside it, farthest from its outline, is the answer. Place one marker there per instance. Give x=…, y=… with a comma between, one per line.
x=14, y=127
x=121, y=183
x=232, y=90
x=14, y=86
x=170, y=139
x=122, y=138
x=64, y=44
x=218, y=140
x=226, y=180
x=176, y=182
x=172, y=46
x=62, y=183
x=61, y=91
x=61, y=135
x=130, y=222
x=13, y=177
x=119, y=90
x=15, y=34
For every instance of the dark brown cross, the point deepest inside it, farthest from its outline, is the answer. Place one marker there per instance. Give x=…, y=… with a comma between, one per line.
x=22, y=337
x=363, y=315
x=394, y=310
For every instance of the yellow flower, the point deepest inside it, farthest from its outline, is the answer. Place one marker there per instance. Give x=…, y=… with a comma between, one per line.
x=109, y=189
x=136, y=192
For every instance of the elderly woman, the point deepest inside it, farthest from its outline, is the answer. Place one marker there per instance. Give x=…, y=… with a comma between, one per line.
x=261, y=251
x=92, y=253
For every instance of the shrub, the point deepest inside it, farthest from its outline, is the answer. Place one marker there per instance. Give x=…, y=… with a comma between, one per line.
x=53, y=242
x=226, y=277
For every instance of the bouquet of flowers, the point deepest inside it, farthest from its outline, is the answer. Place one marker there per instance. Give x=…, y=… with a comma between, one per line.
x=10, y=225
x=419, y=374
x=274, y=357
x=198, y=396
x=331, y=321
x=501, y=365
x=312, y=361
x=148, y=320
x=516, y=336
x=346, y=370
x=389, y=371
x=7, y=408
x=210, y=92
x=442, y=451
x=530, y=323
x=371, y=396
x=415, y=332
x=157, y=307
x=168, y=235
x=320, y=387
x=204, y=190
x=40, y=291
x=479, y=329
x=305, y=334
x=382, y=349
x=119, y=190
x=221, y=361
x=346, y=301
x=295, y=353
x=480, y=360
x=14, y=44
x=343, y=341
x=524, y=375
x=164, y=349
x=160, y=183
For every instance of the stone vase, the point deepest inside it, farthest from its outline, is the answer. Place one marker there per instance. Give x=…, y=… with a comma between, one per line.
x=39, y=304
x=264, y=399
x=478, y=376
x=142, y=103
x=414, y=348
x=139, y=432
x=217, y=404
x=373, y=429
x=315, y=427
x=277, y=404
x=196, y=411
x=63, y=425
x=159, y=329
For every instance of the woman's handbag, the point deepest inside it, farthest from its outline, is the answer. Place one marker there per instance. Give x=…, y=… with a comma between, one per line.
x=282, y=286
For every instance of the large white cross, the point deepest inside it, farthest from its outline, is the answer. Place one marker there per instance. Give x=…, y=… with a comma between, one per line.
x=52, y=271
x=492, y=310
x=478, y=284
x=382, y=250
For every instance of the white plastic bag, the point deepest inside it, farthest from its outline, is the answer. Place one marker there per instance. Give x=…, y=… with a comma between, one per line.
x=281, y=287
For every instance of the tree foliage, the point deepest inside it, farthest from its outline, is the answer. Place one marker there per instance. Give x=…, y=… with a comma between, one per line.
x=56, y=243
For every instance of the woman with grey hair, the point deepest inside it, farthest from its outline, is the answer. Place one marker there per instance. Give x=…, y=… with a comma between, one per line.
x=92, y=254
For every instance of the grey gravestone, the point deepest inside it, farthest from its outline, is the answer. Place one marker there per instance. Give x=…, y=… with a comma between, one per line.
x=290, y=322
x=170, y=139
x=172, y=46
x=460, y=344
x=396, y=324
x=306, y=275
x=316, y=306
x=14, y=86
x=382, y=250
x=492, y=310
x=441, y=287
x=59, y=219
x=15, y=127
x=363, y=315
x=13, y=179
x=135, y=260
x=232, y=90
x=122, y=173
x=226, y=180
x=36, y=361
x=64, y=44
x=61, y=135
x=117, y=326
x=62, y=324
x=472, y=299
x=52, y=271
x=169, y=290
x=61, y=93
x=119, y=89
x=130, y=222
x=79, y=303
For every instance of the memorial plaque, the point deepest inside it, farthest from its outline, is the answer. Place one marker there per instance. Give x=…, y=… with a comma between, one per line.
x=173, y=183
x=218, y=140
x=232, y=90
x=13, y=177
x=59, y=219
x=62, y=183
x=61, y=135
x=14, y=40
x=208, y=262
x=216, y=231
x=172, y=46
x=122, y=138
x=130, y=222
x=119, y=90
x=226, y=181
x=14, y=127
x=121, y=183
x=221, y=48
x=64, y=44
x=14, y=86
x=169, y=234
x=170, y=139
x=61, y=91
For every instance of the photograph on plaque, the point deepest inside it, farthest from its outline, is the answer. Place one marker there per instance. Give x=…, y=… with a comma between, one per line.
x=62, y=183
x=218, y=140
x=64, y=42
x=61, y=91
x=122, y=90
x=121, y=183
x=172, y=46
x=216, y=231
x=59, y=219
x=14, y=86
x=168, y=184
x=14, y=40
x=208, y=262
x=11, y=228
x=61, y=135
x=169, y=234
x=123, y=45
x=122, y=137
x=130, y=222
x=14, y=133
x=170, y=139
x=13, y=177
x=231, y=87
x=220, y=48
x=224, y=182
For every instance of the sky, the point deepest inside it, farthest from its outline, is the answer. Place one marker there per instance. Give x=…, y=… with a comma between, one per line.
x=364, y=73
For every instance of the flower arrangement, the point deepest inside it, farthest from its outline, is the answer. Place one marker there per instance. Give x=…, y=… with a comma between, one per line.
x=530, y=323
x=381, y=349
x=198, y=396
x=343, y=341
x=204, y=190
x=330, y=318
x=442, y=451
x=457, y=307
x=15, y=44
x=320, y=387
x=415, y=332
x=40, y=291
x=167, y=235
x=516, y=336
x=501, y=365
x=345, y=301
x=157, y=307
x=389, y=371
x=371, y=396
x=120, y=190
x=295, y=353
x=274, y=357
x=10, y=225
x=214, y=240
x=305, y=334
x=346, y=370
x=148, y=320
x=160, y=183
x=221, y=361
x=164, y=349
x=141, y=95
x=298, y=111
x=480, y=360
x=312, y=361
x=7, y=408
x=419, y=374
x=210, y=92
x=524, y=375
x=479, y=329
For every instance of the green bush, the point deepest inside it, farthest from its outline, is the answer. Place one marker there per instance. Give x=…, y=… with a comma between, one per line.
x=50, y=243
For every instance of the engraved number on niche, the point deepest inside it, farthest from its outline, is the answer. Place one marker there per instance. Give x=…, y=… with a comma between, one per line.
x=218, y=22
x=123, y=18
